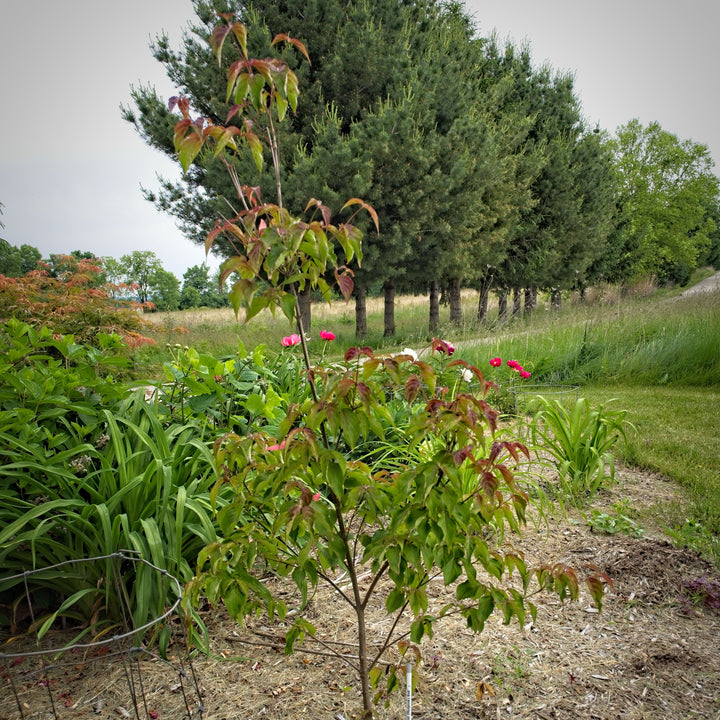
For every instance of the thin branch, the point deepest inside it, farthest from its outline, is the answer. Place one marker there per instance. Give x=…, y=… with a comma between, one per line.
x=388, y=638
x=374, y=582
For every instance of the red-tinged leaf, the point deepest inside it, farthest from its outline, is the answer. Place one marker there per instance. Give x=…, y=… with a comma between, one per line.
x=324, y=209
x=363, y=392
x=232, y=74
x=596, y=587
x=491, y=415
x=370, y=366
x=428, y=375
x=442, y=346
x=489, y=483
x=189, y=149
x=505, y=472
x=182, y=104
x=353, y=352
x=412, y=388
x=281, y=37
x=345, y=387
x=393, y=368
x=459, y=456
x=345, y=284
x=263, y=69
x=240, y=33
x=217, y=40
x=210, y=239
x=370, y=209
x=222, y=137
x=179, y=132
x=234, y=109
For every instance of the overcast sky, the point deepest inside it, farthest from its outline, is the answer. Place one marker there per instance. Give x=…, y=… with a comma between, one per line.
x=71, y=168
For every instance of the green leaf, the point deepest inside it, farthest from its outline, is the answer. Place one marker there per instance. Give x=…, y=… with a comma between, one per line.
x=190, y=146
x=451, y=571
x=287, y=305
x=256, y=149
x=395, y=600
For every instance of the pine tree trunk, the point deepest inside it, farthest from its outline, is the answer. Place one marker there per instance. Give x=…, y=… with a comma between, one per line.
x=305, y=309
x=360, y=311
x=517, y=298
x=530, y=300
x=483, y=305
x=502, y=305
x=434, y=306
x=555, y=298
x=455, y=301
x=389, y=289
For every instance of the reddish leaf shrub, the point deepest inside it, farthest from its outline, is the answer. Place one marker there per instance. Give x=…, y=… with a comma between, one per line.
x=73, y=303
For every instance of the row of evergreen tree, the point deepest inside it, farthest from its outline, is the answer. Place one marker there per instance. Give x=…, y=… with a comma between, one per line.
x=480, y=165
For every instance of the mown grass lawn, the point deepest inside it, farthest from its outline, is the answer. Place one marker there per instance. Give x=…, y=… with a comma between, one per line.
x=676, y=433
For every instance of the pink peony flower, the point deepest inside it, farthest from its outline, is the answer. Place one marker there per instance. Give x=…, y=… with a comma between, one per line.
x=525, y=374
x=496, y=362
x=514, y=364
x=290, y=340
x=326, y=335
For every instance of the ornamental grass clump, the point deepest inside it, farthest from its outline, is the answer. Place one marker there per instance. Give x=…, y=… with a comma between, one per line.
x=309, y=502
x=580, y=442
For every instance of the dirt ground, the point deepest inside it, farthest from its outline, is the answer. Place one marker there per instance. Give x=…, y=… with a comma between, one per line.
x=647, y=656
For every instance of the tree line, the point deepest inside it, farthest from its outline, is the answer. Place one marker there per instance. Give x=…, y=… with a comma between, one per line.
x=480, y=165
x=137, y=276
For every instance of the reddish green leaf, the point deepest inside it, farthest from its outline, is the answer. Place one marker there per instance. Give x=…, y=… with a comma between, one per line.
x=324, y=209
x=365, y=206
x=240, y=32
x=281, y=37
x=189, y=148
x=412, y=388
x=345, y=283
x=217, y=40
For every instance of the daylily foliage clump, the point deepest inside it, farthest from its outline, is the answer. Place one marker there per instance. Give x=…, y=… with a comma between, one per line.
x=382, y=464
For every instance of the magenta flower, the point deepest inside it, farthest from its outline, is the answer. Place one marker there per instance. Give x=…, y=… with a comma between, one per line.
x=326, y=335
x=525, y=374
x=496, y=362
x=290, y=340
x=514, y=364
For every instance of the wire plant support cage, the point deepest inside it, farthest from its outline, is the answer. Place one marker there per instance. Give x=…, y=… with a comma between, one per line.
x=102, y=675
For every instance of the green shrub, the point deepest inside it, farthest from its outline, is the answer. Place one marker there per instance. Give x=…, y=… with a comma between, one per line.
x=579, y=442
x=87, y=470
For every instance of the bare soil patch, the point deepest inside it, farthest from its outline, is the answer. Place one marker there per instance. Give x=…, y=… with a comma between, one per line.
x=643, y=657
